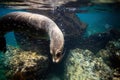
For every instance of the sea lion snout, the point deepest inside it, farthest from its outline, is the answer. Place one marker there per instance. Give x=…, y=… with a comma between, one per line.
x=56, y=44
x=56, y=55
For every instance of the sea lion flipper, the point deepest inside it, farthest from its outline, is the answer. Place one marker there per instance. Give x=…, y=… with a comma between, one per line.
x=2, y=44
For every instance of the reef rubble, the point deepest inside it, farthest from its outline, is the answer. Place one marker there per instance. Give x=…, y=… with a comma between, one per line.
x=83, y=65
x=24, y=65
x=114, y=49
x=111, y=56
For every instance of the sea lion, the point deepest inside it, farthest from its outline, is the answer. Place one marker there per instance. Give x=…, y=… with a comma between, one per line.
x=35, y=25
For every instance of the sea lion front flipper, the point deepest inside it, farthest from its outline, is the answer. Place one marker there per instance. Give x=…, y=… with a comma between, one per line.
x=2, y=44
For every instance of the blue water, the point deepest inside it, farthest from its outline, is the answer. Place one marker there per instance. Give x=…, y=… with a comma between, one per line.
x=10, y=38
x=4, y=11
x=99, y=21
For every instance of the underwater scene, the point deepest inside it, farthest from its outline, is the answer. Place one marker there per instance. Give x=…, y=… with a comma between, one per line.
x=59, y=39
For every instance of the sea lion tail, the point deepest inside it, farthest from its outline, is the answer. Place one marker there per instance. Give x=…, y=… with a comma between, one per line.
x=2, y=44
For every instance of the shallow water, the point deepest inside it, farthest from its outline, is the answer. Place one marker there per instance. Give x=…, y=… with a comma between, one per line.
x=100, y=18
x=98, y=21
x=10, y=38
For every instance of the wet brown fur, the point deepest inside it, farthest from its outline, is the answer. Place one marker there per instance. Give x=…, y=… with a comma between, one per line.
x=36, y=25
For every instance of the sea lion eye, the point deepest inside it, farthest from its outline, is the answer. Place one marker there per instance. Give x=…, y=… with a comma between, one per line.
x=58, y=54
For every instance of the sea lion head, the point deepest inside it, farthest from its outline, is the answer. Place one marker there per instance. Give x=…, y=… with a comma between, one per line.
x=56, y=48
x=56, y=54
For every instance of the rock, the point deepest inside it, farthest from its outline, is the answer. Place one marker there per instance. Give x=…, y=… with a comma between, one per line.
x=104, y=54
x=116, y=74
x=114, y=49
x=111, y=56
x=94, y=42
x=24, y=65
x=83, y=65
x=97, y=41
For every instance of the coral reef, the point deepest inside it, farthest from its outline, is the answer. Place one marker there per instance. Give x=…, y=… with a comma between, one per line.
x=112, y=52
x=111, y=56
x=114, y=48
x=83, y=65
x=24, y=65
